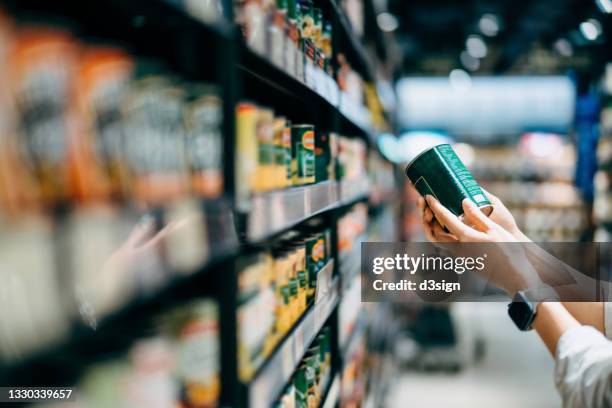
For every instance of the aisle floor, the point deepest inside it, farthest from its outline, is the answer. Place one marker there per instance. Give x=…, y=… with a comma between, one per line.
x=517, y=370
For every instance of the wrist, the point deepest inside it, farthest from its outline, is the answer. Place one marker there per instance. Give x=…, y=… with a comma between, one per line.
x=524, y=284
x=518, y=234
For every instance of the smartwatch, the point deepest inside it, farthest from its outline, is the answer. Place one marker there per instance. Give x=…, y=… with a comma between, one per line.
x=523, y=308
x=522, y=311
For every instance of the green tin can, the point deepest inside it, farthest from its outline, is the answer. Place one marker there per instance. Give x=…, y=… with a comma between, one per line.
x=439, y=172
x=303, y=154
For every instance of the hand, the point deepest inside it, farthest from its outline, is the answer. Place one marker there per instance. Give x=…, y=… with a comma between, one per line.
x=500, y=215
x=476, y=227
x=509, y=267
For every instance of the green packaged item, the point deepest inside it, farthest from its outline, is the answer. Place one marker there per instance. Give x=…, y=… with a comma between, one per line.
x=439, y=172
x=302, y=154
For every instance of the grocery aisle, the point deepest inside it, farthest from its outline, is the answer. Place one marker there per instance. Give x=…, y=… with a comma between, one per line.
x=190, y=192
x=515, y=372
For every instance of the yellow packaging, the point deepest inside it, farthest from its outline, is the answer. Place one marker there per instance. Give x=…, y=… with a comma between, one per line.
x=266, y=155
x=280, y=177
x=287, y=154
x=282, y=291
x=246, y=151
x=302, y=278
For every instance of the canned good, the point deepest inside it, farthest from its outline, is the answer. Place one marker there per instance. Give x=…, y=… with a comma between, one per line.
x=280, y=169
x=265, y=144
x=246, y=152
x=322, y=156
x=302, y=154
x=287, y=154
x=439, y=172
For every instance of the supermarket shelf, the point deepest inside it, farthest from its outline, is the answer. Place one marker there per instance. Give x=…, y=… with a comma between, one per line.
x=355, y=50
x=119, y=328
x=354, y=190
x=359, y=329
x=307, y=89
x=356, y=115
x=276, y=211
x=316, y=88
x=278, y=370
x=221, y=27
x=350, y=261
x=333, y=394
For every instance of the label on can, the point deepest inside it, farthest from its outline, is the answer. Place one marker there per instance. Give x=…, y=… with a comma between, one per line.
x=306, y=169
x=303, y=155
x=439, y=172
x=287, y=155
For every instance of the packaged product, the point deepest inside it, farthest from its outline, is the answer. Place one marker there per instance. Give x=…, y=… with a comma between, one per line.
x=266, y=150
x=247, y=155
x=302, y=154
x=155, y=138
x=195, y=330
x=204, y=141
x=98, y=160
x=43, y=63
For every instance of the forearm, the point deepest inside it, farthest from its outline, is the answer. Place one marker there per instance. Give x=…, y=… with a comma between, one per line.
x=551, y=321
x=588, y=313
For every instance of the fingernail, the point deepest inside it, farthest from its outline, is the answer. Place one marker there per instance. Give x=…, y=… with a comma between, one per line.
x=468, y=202
x=429, y=198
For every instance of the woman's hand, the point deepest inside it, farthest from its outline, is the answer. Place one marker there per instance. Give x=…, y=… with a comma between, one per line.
x=500, y=216
x=475, y=227
x=507, y=267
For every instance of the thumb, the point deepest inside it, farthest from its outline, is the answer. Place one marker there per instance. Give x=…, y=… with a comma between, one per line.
x=474, y=215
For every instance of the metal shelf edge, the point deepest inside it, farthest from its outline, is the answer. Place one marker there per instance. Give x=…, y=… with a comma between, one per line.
x=278, y=370
x=333, y=393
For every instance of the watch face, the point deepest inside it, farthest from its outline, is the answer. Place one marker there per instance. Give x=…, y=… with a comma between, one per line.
x=521, y=312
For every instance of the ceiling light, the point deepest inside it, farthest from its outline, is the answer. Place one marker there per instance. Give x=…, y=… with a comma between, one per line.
x=489, y=25
x=563, y=47
x=476, y=46
x=460, y=80
x=387, y=22
x=469, y=62
x=604, y=5
x=590, y=29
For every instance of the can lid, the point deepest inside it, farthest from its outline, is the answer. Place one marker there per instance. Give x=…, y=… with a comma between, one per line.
x=422, y=152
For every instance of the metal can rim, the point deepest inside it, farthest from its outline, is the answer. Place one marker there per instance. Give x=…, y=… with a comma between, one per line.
x=422, y=153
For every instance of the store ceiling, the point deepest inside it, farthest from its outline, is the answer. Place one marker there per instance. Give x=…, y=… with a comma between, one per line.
x=433, y=34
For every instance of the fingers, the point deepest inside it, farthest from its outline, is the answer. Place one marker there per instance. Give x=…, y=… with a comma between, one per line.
x=454, y=225
x=475, y=216
x=492, y=198
x=428, y=215
x=442, y=236
x=428, y=231
x=421, y=203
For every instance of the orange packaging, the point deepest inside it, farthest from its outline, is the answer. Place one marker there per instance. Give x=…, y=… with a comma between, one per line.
x=97, y=160
x=42, y=64
x=9, y=190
